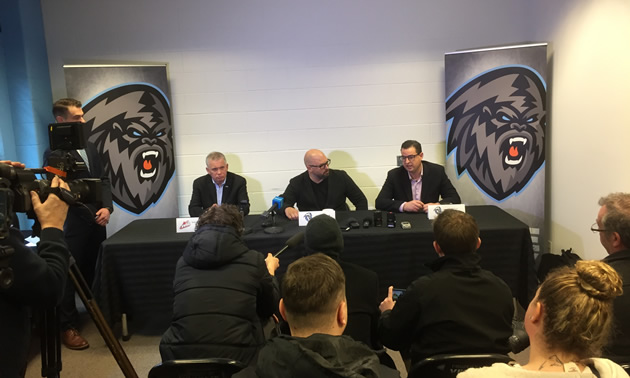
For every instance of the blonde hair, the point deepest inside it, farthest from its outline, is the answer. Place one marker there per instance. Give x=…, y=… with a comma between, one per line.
x=577, y=305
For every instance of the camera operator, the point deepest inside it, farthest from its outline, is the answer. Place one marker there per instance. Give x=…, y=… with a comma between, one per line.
x=84, y=229
x=38, y=279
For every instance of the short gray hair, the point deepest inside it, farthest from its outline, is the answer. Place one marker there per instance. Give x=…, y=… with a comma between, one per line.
x=215, y=156
x=617, y=217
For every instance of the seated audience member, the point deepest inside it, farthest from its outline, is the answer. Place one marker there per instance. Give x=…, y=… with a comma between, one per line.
x=416, y=184
x=223, y=292
x=314, y=304
x=218, y=187
x=321, y=188
x=323, y=235
x=459, y=308
x=613, y=226
x=568, y=322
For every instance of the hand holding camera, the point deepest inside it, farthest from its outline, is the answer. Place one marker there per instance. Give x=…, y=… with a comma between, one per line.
x=52, y=212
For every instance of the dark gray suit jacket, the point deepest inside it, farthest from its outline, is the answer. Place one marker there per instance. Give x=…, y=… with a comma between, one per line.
x=397, y=187
x=205, y=193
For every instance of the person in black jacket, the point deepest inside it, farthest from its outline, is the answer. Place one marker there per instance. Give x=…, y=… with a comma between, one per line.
x=459, y=308
x=85, y=227
x=416, y=184
x=218, y=187
x=314, y=304
x=322, y=234
x=38, y=279
x=320, y=188
x=613, y=226
x=223, y=293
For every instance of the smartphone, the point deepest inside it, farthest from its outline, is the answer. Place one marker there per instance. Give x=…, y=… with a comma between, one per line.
x=378, y=219
x=391, y=219
x=405, y=225
x=397, y=293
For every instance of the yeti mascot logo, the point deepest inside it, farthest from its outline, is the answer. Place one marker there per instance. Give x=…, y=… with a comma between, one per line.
x=132, y=129
x=497, y=127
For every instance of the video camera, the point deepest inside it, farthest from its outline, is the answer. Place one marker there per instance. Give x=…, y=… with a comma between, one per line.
x=16, y=183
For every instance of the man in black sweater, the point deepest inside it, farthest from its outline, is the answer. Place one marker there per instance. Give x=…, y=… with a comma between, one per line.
x=459, y=308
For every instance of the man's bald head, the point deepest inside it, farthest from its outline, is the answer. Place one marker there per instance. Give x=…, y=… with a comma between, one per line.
x=317, y=165
x=314, y=157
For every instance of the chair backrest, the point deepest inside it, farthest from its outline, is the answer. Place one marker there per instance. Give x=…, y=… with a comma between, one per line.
x=207, y=368
x=449, y=365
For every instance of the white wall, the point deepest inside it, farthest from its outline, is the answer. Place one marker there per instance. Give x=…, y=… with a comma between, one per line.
x=265, y=81
x=590, y=127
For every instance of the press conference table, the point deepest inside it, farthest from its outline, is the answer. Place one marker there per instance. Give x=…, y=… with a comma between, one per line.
x=136, y=265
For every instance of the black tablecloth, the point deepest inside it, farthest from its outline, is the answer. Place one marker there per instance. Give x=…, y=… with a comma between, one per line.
x=136, y=265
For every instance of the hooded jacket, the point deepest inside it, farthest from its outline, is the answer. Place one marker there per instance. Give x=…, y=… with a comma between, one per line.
x=317, y=356
x=222, y=290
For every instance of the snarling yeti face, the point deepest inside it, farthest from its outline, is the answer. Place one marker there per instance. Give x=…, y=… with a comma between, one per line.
x=498, y=129
x=131, y=128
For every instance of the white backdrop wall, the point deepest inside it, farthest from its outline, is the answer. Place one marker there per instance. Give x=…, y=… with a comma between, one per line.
x=263, y=81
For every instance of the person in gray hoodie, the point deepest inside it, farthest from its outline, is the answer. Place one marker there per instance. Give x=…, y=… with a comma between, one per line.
x=314, y=304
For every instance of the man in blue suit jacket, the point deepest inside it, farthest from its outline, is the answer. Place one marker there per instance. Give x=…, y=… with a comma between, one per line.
x=416, y=184
x=218, y=187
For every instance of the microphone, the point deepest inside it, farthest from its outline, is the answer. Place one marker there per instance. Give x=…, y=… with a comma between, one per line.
x=292, y=242
x=243, y=207
x=276, y=203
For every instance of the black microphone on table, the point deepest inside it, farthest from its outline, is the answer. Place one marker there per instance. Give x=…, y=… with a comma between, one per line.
x=243, y=208
x=292, y=242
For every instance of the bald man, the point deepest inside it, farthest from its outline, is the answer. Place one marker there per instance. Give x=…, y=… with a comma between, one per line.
x=320, y=187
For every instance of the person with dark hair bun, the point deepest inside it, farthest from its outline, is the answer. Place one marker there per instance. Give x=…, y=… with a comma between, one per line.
x=568, y=323
x=223, y=293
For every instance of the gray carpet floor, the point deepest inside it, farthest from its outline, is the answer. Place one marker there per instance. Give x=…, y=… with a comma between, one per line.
x=142, y=351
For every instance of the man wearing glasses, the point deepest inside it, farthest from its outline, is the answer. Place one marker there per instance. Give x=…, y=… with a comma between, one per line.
x=321, y=188
x=416, y=184
x=613, y=226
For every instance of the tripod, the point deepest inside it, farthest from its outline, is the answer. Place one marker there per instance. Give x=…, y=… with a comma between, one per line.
x=51, y=340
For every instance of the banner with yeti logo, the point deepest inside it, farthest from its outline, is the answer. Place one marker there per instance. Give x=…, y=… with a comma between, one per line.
x=496, y=119
x=128, y=118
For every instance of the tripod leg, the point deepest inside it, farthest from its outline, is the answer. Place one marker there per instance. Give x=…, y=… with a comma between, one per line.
x=50, y=343
x=114, y=346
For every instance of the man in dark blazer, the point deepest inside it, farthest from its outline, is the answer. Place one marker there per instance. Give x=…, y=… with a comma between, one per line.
x=84, y=229
x=321, y=188
x=416, y=184
x=232, y=187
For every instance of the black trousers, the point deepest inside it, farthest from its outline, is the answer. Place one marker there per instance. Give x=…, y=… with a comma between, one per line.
x=84, y=238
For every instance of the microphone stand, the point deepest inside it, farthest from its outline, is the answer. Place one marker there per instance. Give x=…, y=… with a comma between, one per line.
x=273, y=229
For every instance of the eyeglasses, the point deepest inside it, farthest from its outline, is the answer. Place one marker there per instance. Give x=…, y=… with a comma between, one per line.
x=409, y=157
x=595, y=229
x=321, y=166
